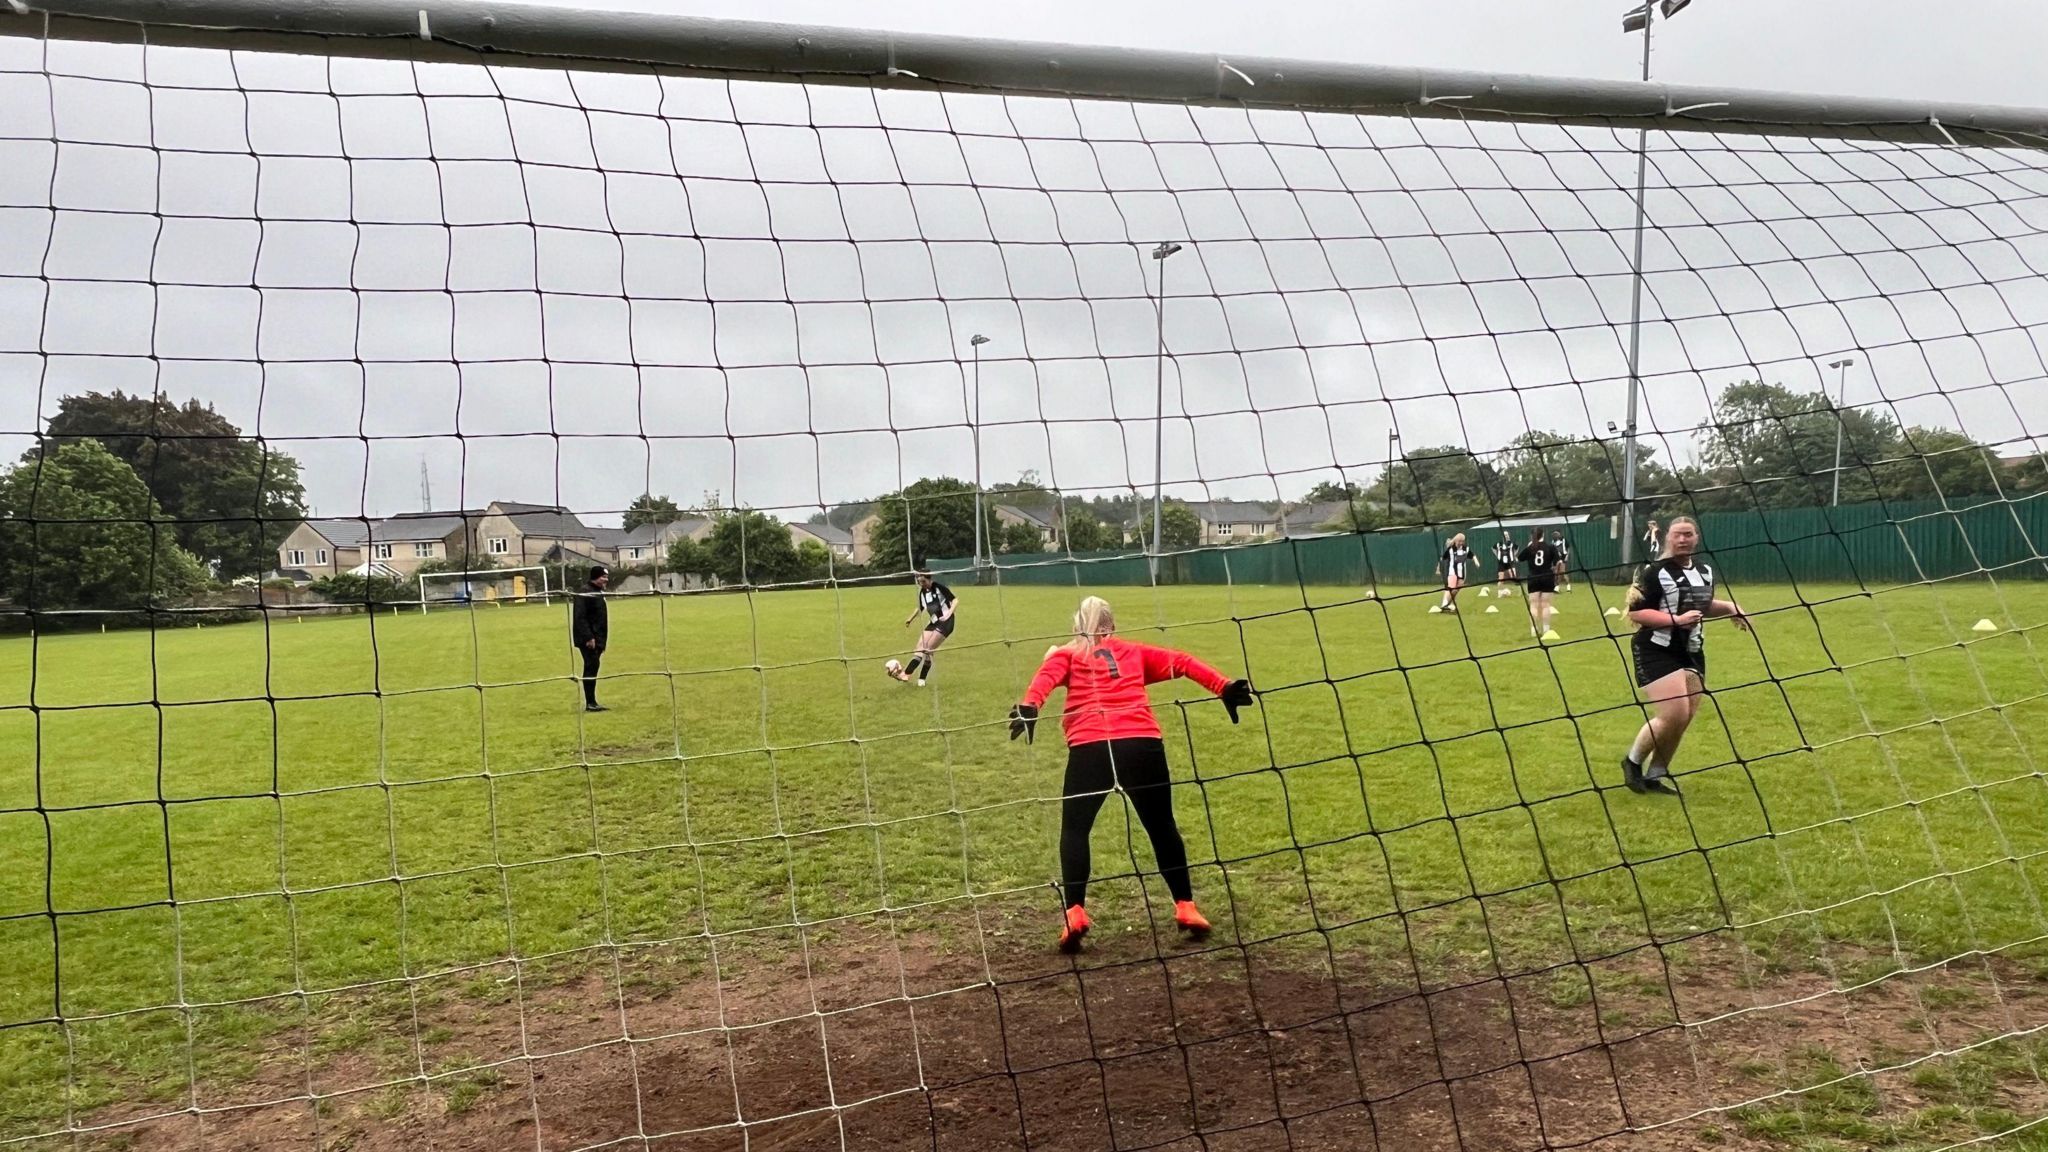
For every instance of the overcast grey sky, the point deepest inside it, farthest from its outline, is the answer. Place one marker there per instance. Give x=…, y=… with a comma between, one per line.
x=795, y=272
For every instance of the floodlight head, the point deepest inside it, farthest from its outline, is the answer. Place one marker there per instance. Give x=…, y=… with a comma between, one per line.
x=1164, y=250
x=1636, y=19
x=978, y=339
x=1844, y=362
x=1672, y=8
x=1612, y=428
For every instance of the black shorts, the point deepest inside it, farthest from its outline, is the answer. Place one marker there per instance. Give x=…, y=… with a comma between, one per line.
x=1655, y=661
x=1504, y=572
x=942, y=627
x=1545, y=582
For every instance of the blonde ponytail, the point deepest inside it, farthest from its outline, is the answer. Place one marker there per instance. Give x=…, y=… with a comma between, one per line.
x=1094, y=620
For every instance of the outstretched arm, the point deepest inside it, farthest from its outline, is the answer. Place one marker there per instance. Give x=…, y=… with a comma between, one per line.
x=1051, y=675
x=1730, y=610
x=1168, y=664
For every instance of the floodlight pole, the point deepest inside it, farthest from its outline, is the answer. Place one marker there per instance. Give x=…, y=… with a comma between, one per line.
x=1393, y=447
x=1159, y=256
x=974, y=422
x=1842, y=398
x=1635, y=323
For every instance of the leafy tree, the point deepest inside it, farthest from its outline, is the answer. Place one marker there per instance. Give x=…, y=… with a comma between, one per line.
x=349, y=588
x=459, y=562
x=1331, y=492
x=1179, y=527
x=1772, y=447
x=1084, y=533
x=845, y=516
x=1445, y=482
x=648, y=508
x=813, y=561
x=931, y=518
x=1362, y=515
x=1549, y=471
x=687, y=557
x=749, y=547
x=78, y=529
x=1017, y=538
x=231, y=499
x=1938, y=464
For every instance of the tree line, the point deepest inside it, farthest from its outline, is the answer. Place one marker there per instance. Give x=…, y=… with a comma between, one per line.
x=129, y=502
x=1766, y=447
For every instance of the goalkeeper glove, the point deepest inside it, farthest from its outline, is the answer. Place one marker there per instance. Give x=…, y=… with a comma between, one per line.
x=1023, y=722
x=1237, y=694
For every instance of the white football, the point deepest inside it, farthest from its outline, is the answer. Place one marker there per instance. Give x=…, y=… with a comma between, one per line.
x=893, y=667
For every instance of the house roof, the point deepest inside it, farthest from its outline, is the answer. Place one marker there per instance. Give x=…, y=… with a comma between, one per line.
x=651, y=534
x=602, y=537
x=1232, y=512
x=828, y=534
x=342, y=533
x=416, y=526
x=1038, y=519
x=1303, y=519
x=542, y=520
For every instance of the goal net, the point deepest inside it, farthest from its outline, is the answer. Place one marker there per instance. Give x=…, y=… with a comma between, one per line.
x=1325, y=376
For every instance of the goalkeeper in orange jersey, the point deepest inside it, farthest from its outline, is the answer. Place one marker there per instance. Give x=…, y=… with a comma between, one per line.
x=1113, y=741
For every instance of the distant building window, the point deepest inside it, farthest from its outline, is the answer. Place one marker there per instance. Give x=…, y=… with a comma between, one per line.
x=636, y=553
x=381, y=552
x=320, y=556
x=1225, y=529
x=423, y=550
x=1258, y=529
x=498, y=545
x=296, y=558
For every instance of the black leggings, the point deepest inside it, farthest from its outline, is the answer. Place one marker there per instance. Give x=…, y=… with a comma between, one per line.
x=591, y=659
x=1138, y=766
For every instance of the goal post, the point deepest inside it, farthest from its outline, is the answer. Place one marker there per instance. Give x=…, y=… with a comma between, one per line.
x=485, y=586
x=548, y=35
x=1266, y=345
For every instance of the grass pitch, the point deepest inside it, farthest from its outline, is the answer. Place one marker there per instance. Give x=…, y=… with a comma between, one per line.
x=248, y=818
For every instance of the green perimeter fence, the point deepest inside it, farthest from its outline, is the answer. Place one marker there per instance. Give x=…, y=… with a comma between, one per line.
x=1867, y=544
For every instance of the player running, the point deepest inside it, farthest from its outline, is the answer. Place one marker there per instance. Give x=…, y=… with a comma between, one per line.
x=1564, y=559
x=1113, y=741
x=1451, y=566
x=938, y=604
x=1504, y=566
x=1541, y=564
x=1667, y=604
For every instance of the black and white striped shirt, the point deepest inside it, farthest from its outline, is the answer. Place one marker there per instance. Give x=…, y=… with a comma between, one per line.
x=1504, y=554
x=933, y=600
x=1676, y=587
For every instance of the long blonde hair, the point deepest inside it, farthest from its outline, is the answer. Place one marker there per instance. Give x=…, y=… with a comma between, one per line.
x=1092, y=621
x=1635, y=594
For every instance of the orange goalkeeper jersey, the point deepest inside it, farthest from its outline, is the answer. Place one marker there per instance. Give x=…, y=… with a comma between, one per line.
x=1105, y=685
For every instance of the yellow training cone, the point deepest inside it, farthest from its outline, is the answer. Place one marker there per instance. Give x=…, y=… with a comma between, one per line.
x=1984, y=625
x=1491, y=609
x=1435, y=608
x=1552, y=635
x=1486, y=591
x=1614, y=611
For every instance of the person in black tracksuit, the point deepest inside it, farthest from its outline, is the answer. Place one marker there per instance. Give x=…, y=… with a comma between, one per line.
x=589, y=628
